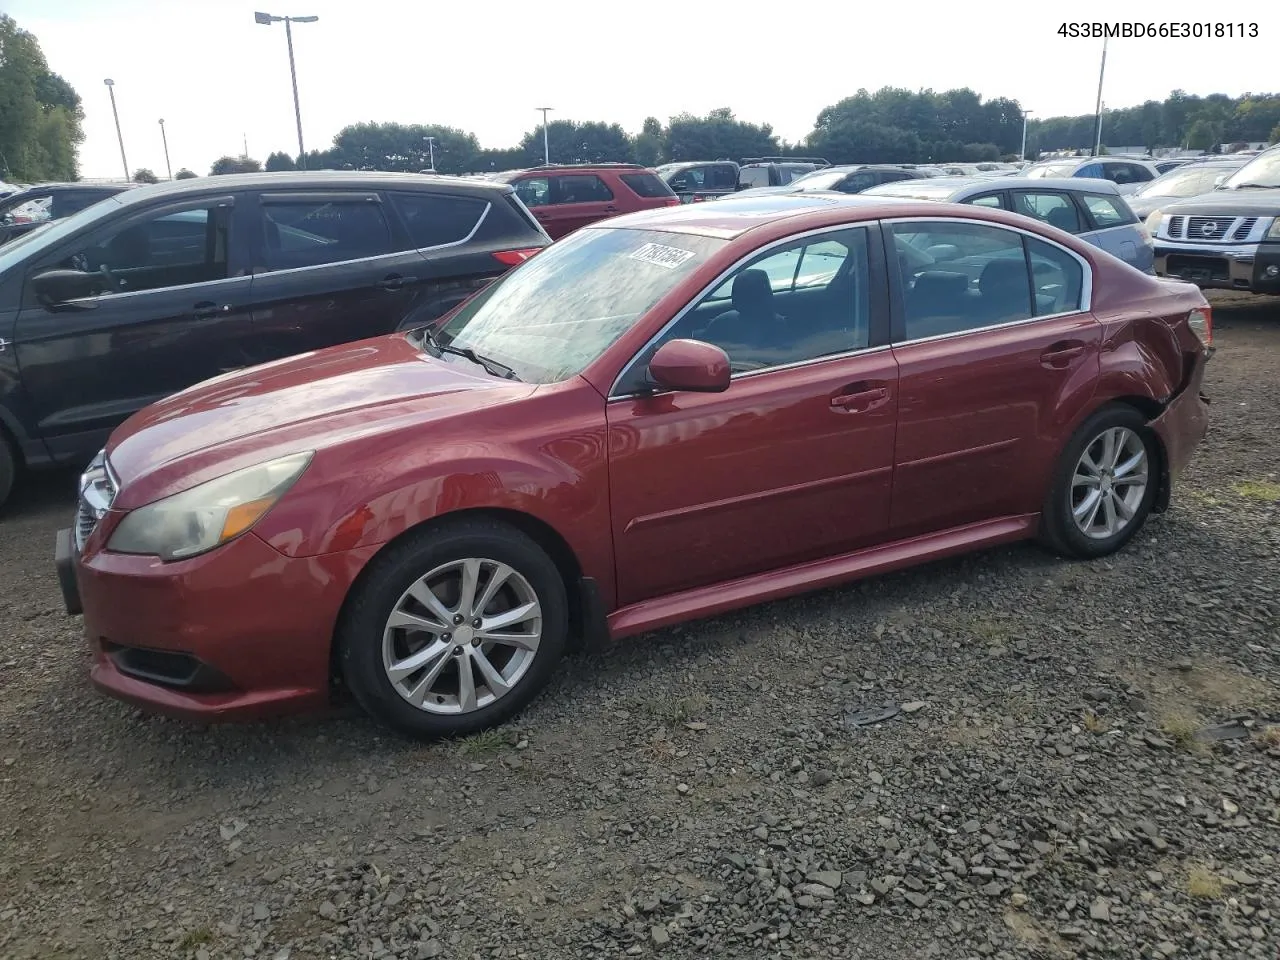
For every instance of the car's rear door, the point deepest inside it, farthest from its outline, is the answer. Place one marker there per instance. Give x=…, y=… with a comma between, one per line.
x=792, y=462
x=993, y=368
x=329, y=266
x=576, y=200
x=1112, y=226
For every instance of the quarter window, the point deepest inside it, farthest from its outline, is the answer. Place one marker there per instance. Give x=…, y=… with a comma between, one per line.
x=989, y=200
x=308, y=233
x=434, y=220
x=534, y=192
x=1058, y=278
x=803, y=301
x=579, y=188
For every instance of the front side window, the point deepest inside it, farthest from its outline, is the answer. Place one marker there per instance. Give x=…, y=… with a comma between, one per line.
x=552, y=316
x=305, y=233
x=435, y=219
x=722, y=177
x=808, y=299
x=534, y=192
x=579, y=188
x=167, y=249
x=1056, y=209
x=1107, y=211
x=689, y=179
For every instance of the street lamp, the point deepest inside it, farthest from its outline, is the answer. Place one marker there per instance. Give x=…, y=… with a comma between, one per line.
x=431, y=149
x=1022, y=154
x=111, y=89
x=267, y=19
x=546, y=143
x=166, y=149
x=1097, y=120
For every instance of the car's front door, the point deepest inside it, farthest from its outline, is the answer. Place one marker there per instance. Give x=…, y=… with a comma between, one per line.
x=793, y=461
x=171, y=309
x=330, y=267
x=993, y=368
x=576, y=200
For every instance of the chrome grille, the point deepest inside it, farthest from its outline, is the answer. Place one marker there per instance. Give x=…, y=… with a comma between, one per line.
x=98, y=487
x=1208, y=228
x=1244, y=229
x=1176, y=225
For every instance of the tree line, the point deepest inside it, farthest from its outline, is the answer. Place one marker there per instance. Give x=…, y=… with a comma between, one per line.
x=40, y=113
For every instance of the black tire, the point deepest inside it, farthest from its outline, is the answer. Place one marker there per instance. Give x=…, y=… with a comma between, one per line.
x=1058, y=529
x=8, y=469
x=384, y=584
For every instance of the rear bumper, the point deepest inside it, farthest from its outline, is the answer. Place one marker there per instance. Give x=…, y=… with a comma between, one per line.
x=1253, y=266
x=1184, y=423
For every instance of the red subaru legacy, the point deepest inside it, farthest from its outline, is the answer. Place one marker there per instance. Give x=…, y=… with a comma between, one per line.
x=665, y=416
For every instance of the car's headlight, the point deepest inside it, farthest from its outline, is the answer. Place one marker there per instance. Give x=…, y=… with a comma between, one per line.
x=1274, y=232
x=1152, y=222
x=197, y=520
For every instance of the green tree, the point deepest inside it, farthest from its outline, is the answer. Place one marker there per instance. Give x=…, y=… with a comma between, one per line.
x=574, y=142
x=234, y=165
x=1275, y=134
x=185, y=174
x=648, y=144
x=401, y=147
x=143, y=175
x=718, y=135
x=40, y=113
x=280, y=161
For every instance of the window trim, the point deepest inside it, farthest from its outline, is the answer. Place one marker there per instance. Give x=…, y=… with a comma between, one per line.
x=897, y=299
x=879, y=306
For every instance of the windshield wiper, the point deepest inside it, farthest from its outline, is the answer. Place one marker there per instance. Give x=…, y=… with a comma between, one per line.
x=491, y=365
x=1257, y=186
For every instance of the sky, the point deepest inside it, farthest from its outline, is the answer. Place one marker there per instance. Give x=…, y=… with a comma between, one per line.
x=219, y=80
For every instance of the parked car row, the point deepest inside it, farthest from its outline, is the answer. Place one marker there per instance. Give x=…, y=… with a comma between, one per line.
x=663, y=416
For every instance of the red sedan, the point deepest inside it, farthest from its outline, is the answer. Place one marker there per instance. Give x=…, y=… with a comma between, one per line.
x=662, y=417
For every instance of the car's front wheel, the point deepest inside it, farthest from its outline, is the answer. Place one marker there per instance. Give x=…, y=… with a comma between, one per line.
x=454, y=629
x=1105, y=484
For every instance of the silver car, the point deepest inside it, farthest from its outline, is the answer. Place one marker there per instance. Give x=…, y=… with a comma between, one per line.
x=1127, y=173
x=1093, y=210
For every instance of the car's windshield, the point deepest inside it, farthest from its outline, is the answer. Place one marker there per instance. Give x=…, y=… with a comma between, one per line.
x=1183, y=182
x=1051, y=170
x=54, y=232
x=820, y=179
x=554, y=315
x=1262, y=171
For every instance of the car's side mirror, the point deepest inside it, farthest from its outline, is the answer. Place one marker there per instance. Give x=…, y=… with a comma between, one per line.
x=53, y=287
x=690, y=365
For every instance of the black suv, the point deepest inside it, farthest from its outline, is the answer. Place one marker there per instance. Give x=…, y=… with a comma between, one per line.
x=161, y=287
x=59, y=200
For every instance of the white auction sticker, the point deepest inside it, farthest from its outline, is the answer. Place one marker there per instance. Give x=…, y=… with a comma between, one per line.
x=663, y=256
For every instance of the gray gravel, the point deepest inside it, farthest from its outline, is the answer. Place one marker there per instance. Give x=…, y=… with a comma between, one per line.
x=1078, y=760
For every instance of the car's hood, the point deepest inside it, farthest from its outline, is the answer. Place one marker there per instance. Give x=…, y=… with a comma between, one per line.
x=1228, y=203
x=309, y=402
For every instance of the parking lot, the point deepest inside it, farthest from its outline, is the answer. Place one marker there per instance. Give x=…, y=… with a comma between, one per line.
x=1005, y=755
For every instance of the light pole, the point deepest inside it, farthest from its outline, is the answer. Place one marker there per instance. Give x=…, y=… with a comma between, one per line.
x=431, y=150
x=546, y=142
x=1022, y=154
x=165, y=140
x=1097, y=120
x=111, y=89
x=268, y=19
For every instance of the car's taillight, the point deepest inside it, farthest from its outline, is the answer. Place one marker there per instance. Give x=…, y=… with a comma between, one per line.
x=1200, y=320
x=512, y=258
x=671, y=201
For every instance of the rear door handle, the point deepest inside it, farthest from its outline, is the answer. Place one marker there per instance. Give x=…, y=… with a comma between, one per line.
x=207, y=308
x=859, y=397
x=1060, y=354
x=611, y=209
x=395, y=281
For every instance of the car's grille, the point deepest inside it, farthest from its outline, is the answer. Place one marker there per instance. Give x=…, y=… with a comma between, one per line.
x=1176, y=226
x=1208, y=228
x=97, y=492
x=1246, y=226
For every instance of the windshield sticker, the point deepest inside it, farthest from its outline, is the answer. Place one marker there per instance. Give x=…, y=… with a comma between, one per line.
x=662, y=256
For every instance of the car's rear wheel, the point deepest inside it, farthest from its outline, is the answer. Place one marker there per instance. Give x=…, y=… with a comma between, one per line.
x=1105, y=484
x=454, y=630
x=8, y=469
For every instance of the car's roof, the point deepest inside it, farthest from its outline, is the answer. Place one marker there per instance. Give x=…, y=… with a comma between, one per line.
x=734, y=216
x=295, y=179
x=42, y=189
x=941, y=187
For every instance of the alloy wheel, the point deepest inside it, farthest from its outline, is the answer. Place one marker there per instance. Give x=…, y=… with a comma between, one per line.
x=462, y=636
x=1109, y=483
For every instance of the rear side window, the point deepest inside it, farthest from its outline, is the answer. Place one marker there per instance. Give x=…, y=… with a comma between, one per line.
x=307, y=233
x=534, y=192
x=754, y=177
x=987, y=200
x=646, y=185
x=1107, y=211
x=1056, y=209
x=722, y=177
x=1058, y=278
x=579, y=188
x=434, y=220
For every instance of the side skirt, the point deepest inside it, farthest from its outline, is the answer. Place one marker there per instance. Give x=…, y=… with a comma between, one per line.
x=801, y=578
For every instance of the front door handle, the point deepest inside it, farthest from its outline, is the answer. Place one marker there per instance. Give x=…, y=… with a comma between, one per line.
x=1062, y=353
x=611, y=209
x=859, y=397
x=394, y=281
x=207, y=308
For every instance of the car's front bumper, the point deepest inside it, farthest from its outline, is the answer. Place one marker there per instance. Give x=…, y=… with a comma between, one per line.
x=237, y=633
x=1246, y=266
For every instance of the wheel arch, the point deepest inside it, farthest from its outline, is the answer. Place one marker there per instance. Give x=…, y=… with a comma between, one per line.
x=1150, y=408
x=586, y=613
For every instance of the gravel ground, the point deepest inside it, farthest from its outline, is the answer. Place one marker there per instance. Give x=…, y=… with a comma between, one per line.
x=1047, y=779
